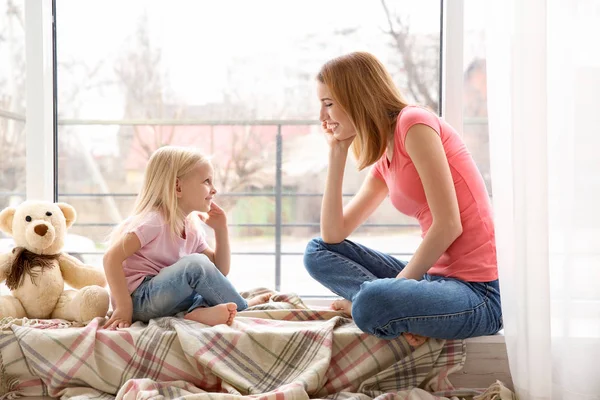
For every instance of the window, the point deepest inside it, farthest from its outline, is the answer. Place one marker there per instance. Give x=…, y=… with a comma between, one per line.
x=193, y=73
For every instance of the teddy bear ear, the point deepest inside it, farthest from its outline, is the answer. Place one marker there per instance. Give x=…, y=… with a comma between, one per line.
x=69, y=213
x=6, y=219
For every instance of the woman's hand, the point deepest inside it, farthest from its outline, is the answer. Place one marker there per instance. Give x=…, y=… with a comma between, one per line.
x=120, y=318
x=215, y=218
x=333, y=141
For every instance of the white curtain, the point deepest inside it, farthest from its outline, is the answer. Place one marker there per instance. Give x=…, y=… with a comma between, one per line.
x=543, y=60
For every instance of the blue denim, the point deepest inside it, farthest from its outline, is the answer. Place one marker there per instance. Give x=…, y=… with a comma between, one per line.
x=384, y=306
x=192, y=282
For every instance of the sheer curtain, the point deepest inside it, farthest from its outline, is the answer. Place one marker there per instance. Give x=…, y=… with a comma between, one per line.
x=543, y=60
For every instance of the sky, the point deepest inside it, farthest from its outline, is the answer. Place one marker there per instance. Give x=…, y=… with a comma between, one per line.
x=203, y=41
x=199, y=38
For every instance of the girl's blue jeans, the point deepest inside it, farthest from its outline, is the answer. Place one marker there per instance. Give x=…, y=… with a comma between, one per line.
x=435, y=306
x=192, y=282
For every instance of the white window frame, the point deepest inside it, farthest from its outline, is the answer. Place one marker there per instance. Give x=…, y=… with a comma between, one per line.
x=39, y=115
x=452, y=50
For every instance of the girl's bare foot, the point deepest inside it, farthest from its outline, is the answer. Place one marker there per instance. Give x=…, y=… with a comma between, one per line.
x=414, y=340
x=216, y=315
x=343, y=305
x=260, y=299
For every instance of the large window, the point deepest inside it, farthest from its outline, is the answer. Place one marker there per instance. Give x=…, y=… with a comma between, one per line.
x=240, y=86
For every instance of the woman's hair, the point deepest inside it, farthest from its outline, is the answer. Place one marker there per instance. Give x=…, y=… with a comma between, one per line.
x=158, y=192
x=364, y=89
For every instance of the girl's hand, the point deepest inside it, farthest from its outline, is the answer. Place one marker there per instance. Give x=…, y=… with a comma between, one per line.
x=333, y=141
x=215, y=218
x=120, y=318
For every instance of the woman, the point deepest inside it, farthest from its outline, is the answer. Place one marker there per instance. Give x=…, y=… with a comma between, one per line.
x=449, y=289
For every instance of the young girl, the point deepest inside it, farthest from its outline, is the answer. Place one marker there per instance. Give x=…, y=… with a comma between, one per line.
x=449, y=289
x=159, y=263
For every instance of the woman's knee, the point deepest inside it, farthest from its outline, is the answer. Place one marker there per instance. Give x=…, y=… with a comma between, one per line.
x=366, y=306
x=312, y=256
x=380, y=301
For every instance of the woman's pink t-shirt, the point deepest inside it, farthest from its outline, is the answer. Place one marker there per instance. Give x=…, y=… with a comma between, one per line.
x=159, y=248
x=472, y=256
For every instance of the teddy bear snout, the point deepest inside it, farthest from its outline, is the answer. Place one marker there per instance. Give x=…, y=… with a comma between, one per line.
x=41, y=229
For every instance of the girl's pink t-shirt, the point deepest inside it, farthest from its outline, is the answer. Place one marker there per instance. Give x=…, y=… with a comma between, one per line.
x=472, y=256
x=159, y=248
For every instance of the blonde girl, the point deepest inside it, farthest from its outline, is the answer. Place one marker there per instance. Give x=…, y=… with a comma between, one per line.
x=158, y=263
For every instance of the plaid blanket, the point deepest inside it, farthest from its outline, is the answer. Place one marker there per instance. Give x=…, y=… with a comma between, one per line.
x=280, y=350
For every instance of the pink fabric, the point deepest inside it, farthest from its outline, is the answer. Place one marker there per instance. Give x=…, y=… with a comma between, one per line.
x=159, y=248
x=472, y=257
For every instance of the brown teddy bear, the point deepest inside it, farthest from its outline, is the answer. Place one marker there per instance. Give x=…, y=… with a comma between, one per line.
x=36, y=270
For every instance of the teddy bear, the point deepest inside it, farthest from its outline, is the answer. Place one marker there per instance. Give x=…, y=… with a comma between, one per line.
x=36, y=270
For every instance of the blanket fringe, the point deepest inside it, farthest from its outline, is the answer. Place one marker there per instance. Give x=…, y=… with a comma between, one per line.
x=496, y=391
x=8, y=383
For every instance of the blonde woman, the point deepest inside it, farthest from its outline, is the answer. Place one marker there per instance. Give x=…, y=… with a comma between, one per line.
x=449, y=289
x=159, y=263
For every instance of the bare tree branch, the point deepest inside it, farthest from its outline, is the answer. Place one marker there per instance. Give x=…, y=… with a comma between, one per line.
x=237, y=168
x=414, y=69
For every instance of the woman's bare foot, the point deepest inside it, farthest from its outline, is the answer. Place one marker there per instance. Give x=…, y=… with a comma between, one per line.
x=216, y=315
x=414, y=340
x=343, y=305
x=260, y=299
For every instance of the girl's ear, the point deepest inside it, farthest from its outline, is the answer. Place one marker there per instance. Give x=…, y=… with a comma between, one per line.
x=177, y=187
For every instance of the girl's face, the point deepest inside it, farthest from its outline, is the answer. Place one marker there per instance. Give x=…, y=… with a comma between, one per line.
x=195, y=190
x=333, y=116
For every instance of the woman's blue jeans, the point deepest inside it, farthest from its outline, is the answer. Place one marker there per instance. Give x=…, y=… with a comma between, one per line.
x=192, y=282
x=384, y=306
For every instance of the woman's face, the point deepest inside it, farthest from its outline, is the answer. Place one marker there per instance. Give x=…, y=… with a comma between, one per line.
x=334, y=118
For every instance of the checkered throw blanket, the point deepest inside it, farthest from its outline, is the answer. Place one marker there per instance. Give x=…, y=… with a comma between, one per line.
x=280, y=350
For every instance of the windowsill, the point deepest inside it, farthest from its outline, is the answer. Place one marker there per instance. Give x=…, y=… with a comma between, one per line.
x=497, y=338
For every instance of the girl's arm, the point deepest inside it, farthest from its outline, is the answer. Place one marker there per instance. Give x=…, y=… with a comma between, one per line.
x=221, y=255
x=338, y=222
x=426, y=151
x=113, y=268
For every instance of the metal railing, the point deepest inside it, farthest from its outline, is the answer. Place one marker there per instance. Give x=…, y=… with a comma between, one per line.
x=278, y=192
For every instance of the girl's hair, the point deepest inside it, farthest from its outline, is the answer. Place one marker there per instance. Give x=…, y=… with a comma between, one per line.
x=158, y=192
x=364, y=89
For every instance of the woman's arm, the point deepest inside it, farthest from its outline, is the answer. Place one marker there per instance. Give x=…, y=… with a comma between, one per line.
x=426, y=151
x=338, y=222
x=113, y=268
